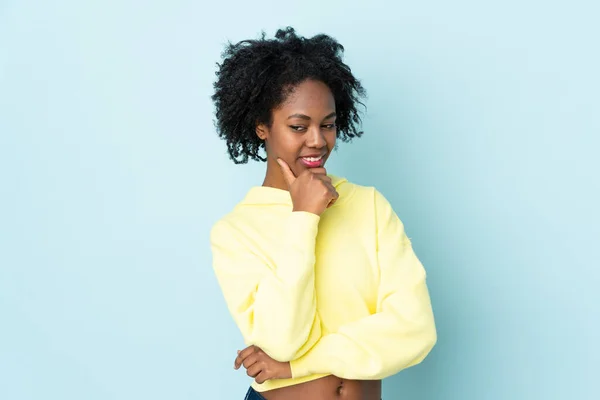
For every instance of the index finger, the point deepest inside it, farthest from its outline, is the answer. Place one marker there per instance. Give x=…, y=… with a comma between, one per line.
x=288, y=175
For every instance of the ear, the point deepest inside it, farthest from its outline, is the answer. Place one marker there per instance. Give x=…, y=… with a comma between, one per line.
x=262, y=131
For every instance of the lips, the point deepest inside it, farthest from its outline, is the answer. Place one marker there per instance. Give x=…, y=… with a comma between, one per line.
x=313, y=161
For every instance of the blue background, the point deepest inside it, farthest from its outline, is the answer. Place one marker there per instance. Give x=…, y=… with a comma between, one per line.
x=482, y=130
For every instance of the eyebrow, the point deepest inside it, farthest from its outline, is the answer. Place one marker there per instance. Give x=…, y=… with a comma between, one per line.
x=306, y=117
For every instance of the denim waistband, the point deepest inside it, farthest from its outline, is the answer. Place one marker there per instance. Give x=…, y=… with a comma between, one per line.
x=253, y=395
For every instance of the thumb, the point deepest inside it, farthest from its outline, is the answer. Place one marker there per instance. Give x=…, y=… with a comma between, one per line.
x=288, y=175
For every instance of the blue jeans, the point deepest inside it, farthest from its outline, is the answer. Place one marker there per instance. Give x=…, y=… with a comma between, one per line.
x=253, y=395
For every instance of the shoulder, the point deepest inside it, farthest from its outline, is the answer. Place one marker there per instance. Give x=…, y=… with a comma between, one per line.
x=221, y=228
x=228, y=227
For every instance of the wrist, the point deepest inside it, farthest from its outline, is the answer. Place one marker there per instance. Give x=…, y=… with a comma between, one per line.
x=286, y=370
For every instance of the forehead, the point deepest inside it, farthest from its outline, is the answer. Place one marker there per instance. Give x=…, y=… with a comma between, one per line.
x=310, y=97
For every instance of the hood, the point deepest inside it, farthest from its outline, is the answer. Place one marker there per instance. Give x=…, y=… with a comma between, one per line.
x=263, y=195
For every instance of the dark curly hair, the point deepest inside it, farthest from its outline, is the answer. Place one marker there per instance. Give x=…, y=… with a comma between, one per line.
x=256, y=76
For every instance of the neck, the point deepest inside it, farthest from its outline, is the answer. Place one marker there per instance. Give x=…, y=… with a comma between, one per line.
x=273, y=176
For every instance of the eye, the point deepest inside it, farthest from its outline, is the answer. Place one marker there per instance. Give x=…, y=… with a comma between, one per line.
x=329, y=126
x=297, y=128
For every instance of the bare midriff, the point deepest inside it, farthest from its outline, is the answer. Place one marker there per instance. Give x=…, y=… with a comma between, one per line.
x=328, y=388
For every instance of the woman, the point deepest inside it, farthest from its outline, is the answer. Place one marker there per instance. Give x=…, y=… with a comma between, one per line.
x=317, y=272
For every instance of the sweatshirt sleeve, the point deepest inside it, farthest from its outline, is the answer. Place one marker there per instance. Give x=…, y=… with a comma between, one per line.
x=399, y=334
x=271, y=296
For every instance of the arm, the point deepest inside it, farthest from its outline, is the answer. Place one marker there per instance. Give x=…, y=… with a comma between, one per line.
x=271, y=296
x=402, y=331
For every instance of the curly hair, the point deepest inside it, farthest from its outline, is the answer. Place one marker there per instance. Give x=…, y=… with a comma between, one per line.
x=256, y=76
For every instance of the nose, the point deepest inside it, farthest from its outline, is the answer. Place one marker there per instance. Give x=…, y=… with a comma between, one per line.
x=315, y=138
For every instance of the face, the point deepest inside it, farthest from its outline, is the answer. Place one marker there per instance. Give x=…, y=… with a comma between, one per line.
x=303, y=130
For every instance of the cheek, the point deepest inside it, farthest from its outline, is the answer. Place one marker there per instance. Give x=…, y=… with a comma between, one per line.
x=331, y=139
x=283, y=143
x=286, y=144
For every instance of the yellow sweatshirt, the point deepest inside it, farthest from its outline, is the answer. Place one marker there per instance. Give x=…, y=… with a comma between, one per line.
x=340, y=294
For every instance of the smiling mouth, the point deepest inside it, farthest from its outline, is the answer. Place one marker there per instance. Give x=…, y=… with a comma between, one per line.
x=314, y=161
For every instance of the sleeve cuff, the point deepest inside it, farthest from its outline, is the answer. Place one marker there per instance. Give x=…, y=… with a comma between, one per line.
x=320, y=359
x=303, y=223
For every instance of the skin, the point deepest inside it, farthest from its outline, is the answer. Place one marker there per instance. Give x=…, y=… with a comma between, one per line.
x=291, y=136
x=304, y=125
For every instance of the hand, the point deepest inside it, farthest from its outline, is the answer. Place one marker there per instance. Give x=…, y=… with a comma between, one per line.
x=312, y=191
x=260, y=366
